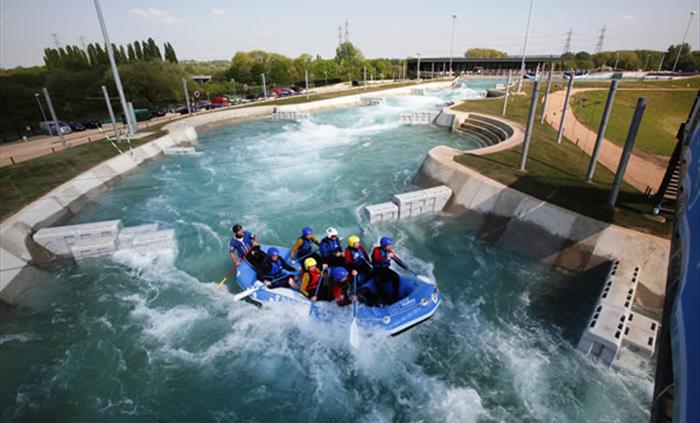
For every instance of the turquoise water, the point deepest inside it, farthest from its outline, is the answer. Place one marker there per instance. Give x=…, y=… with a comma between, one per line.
x=147, y=337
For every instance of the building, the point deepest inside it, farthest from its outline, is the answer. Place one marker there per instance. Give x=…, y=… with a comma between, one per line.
x=439, y=66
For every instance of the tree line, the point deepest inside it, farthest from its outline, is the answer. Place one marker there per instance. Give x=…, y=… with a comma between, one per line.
x=632, y=60
x=73, y=57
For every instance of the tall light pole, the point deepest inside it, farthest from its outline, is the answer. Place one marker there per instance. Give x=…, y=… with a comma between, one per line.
x=43, y=115
x=452, y=40
x=133, y=128
x=685, y=34
x=527, y=33
x=418, y=68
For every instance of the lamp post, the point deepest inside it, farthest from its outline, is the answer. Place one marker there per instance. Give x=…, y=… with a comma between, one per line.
x=133, y=127
x=43, y=115
x=418, y=68
x=522, y=60
x=685, y=34
x=452, y=40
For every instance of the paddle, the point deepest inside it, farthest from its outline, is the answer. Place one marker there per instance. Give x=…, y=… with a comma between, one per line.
x=401, y=263
x=300, y=259
x=230, y=272
x=318, y=287
x=245, y=293
x=354, y=330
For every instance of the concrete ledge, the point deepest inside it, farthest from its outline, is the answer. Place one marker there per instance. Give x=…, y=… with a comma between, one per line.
x=543, y=231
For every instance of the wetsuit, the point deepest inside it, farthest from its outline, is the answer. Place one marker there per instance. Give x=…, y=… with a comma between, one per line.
x=383, y=274
x=273, y=270
x=329, y=250
x=303, y=247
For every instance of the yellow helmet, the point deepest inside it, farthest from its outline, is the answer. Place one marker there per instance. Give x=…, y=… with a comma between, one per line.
x=309, y=262
x=353, y=239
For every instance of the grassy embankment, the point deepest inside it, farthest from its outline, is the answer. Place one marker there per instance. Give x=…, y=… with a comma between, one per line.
x=555, y=173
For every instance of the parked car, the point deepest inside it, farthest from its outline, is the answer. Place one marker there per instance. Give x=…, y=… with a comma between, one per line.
x=158, y=112
x=49, y=128
x=76, y=126
x=92, y=124
x=182, y=110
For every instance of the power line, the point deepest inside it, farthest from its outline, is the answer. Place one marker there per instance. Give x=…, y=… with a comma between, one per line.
x=55, y=40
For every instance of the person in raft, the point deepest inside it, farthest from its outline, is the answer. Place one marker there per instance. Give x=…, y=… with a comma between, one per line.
x=383, y=275
x=304, y=246
x=331, y=250
x=271, y=271
x=242, y=243
x=357, y=259
x=311, y=279
x=341, y=287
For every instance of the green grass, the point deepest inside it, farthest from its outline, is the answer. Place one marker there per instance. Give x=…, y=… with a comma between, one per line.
x=555, y=173
x=665, y=111
x=25, y=182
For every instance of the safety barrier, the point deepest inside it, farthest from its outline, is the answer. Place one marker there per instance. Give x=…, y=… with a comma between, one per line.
x=613, y=323
x=372, y=101
x=410, y=204
x=103, y=238
x=418, y=118
x=289, y=115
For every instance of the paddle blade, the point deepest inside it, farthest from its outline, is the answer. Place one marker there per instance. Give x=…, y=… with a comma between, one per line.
x=425, y=279
x=354, y=334
x=243, y=294
x=223, y=281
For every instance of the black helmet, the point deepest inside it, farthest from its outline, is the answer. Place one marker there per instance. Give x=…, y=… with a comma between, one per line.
x=236, y=228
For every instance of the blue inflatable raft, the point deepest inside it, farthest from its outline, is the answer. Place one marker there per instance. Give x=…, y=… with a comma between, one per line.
x=419, y=301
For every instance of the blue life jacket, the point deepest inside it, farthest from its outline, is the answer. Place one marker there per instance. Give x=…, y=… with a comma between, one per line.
x=276, y=269
x=329, y=247
x=360, y=259
x=306, y=247
x=381, y=264
x=241, y=246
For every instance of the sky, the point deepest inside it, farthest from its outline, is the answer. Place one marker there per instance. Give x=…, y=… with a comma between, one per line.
x=216, y=29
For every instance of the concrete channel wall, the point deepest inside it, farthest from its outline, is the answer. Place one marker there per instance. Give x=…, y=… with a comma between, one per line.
x=21, y=258
x=543, y=231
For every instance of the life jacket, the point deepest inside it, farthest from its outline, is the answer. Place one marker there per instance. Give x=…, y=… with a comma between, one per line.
x=378, y=253
x=310, y=281
x=306, y=247
x=273, y=268
x=329, y=247
x=241, y=245
x=356, y=256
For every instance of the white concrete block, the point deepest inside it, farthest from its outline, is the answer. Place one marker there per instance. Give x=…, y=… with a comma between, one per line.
x=60, y=239
x=158, y=240
x=179, y=151
x=417, y=91
x=127, y=235
x=603, y=335
x=382, y=212
x=97, y=230
x=372, y=101
x=93, y=248
x=641, y=333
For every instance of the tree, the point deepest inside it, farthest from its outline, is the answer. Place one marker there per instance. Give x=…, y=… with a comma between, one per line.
x=169, y=53
x=138, y=51
x=484, y=53
x=349, y=58
x=131, y=55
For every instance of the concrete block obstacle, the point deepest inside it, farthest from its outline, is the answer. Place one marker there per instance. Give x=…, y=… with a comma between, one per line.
x=180, y=151
x=103, y=238
x=372, y=101
x=410, y=204
x=418, y=91
x=289, y=115
x=613, y=324
x=419, y=118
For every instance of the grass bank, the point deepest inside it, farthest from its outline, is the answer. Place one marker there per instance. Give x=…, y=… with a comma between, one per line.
x=555, y=173
x=665, y=111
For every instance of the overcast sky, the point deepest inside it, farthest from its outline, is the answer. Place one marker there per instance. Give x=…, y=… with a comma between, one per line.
x=216, y=29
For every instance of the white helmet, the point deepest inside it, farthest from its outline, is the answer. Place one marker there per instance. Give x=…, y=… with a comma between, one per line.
x=331, y=232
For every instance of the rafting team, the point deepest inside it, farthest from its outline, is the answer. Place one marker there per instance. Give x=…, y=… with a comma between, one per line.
x=327, y=274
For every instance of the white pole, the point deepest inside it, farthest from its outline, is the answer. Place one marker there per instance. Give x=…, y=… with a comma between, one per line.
x=53, y=115
x=306, y=88
x=452, y=40
x=264, y=87
x=418, y=68
x=36, y=95
x=527, y=33
x=685, y=34
x=187, y=96
x=111, y=113
x=115, y=71
x=661, y=62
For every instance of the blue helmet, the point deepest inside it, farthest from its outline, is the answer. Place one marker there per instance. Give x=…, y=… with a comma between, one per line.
x=386, y=241
x=339, y=273
x=272, y=251
x=306, y=231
